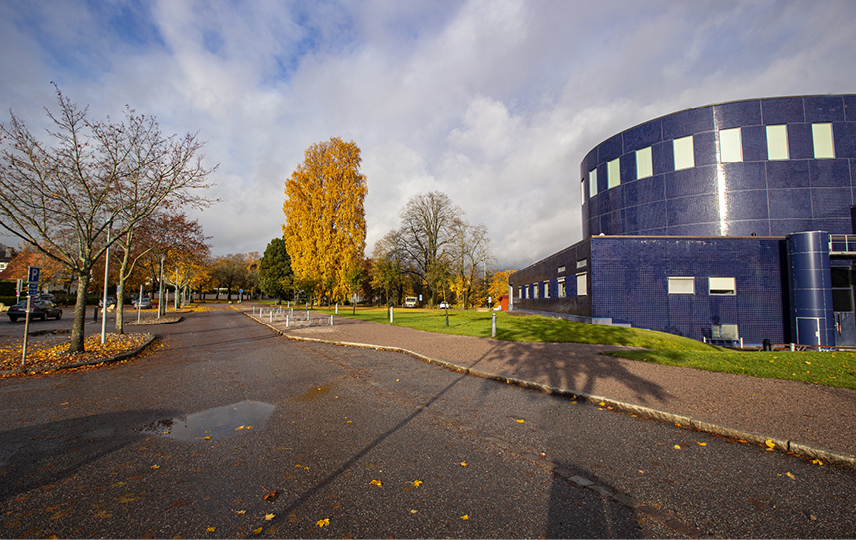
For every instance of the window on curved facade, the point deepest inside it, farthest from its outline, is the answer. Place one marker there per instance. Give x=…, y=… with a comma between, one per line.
x=592, y=182
x=644, y=163
x=777, y=143
x=821, y=135
x=582, y=190
x=684, y=155
x=613, y=174
x=730, y=146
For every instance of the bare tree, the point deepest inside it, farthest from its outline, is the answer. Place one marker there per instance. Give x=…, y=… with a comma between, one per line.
x=98, y=176
x=428, y=220
x=469, y=254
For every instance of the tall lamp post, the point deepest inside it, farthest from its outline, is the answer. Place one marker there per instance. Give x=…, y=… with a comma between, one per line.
x=106, y=273
x=160, y=290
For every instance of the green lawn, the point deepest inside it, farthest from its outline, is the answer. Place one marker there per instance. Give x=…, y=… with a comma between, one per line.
x=828, y=368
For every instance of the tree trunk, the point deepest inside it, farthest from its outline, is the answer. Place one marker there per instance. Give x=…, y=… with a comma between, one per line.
x=78, y=327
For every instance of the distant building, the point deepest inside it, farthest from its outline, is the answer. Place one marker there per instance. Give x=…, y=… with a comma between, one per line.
x=726, y=221
x=6, y=256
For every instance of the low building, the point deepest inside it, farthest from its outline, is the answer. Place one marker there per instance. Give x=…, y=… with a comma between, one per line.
x=724, y=222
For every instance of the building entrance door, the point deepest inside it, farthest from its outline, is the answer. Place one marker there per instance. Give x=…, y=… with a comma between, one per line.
x=808, y=331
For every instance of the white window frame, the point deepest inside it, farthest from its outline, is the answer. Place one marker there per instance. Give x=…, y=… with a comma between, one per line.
x=613, y=173
x=722, y=286
x=583, y=190
x=777, y=143
x=684, y=153
x=582, y=263
x=644, y=163
x=824, y=144
x=592, y=182
x=582, y=284
x=681, y=285
x=730, y=146
x=563, y=291
x=535, y=291
x=561, y=269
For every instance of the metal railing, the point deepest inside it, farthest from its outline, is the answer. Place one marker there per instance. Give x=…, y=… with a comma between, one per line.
x=292, y=318
x=842, y=243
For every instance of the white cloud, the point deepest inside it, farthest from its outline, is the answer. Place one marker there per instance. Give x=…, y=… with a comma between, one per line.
x=493, y=102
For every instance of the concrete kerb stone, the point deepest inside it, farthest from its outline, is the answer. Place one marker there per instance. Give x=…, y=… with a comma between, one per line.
x=788, y=446
x=116, y=358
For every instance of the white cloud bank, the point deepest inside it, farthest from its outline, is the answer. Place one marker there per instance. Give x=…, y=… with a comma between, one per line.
x=492, y=102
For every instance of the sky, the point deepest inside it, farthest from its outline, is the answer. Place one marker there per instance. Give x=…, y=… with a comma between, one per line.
x=492, y=102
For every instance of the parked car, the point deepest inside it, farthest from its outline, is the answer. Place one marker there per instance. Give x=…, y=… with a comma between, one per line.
x=111, y=301
x=410, y=301
x=445, y=305
x=41, y=309
x=145, y=303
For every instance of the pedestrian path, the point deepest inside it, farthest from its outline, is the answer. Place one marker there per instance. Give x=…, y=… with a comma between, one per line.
x=811, y=420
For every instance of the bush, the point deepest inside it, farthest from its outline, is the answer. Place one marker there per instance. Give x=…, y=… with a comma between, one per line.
x=7, y=287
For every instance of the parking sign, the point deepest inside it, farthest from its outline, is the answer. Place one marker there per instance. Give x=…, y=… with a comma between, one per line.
x=33, y=273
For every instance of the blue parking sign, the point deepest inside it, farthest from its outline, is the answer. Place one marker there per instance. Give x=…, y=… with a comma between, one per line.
x=33, y=274
x=33, y=289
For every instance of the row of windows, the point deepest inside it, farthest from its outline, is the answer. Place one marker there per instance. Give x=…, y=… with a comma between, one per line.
x=533, y=290
x=716, y=286
x=730, y=151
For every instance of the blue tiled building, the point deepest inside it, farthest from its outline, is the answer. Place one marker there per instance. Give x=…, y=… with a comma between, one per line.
x=724, y=221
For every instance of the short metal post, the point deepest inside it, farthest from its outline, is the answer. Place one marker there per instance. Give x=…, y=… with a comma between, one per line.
x=337, y=308
x=254, y=310
x=331, y=320
x=271, y=315
x=287, y=321
x=493, y=326
x=792, y=347
x=391, y=314
x=741, y=343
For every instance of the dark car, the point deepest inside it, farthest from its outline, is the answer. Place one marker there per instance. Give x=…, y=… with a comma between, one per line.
x=111, y=301
x=41, y=309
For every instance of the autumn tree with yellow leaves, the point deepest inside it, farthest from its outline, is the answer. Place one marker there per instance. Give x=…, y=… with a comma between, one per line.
x=325, y=220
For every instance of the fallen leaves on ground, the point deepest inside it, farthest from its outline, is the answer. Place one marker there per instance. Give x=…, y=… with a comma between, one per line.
x=323, y=522
x=271, y=495
x=269, y=517
x=377, y=483
x=52, y=353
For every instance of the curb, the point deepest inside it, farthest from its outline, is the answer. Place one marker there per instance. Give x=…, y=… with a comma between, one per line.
x=782, y=445
x=116, y=358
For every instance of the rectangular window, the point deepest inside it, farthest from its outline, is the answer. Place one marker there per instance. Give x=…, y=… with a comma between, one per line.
x=582, y=288
x=563, y=292
x=722, y=286
x=684, y=155
x=520, y=292
x=561, y=269
x=535, y=290
x=724, y=331
x=613, y=174
x=681, y=285
x=582, y=190
x=644, y=163
x=777, y=143
x=582, y=263
x=821, y=134
x=730, y=146
x=592, y=183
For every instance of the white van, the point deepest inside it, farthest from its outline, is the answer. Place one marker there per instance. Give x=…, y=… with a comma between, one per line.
x=410, y=301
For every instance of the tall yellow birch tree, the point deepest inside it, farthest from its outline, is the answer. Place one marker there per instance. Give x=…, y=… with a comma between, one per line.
x=325, y=221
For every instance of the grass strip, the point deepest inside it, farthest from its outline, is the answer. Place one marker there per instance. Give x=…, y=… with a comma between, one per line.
x=828, y=368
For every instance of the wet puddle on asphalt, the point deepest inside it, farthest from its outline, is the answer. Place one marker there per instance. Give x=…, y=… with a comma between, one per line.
x=216, y=423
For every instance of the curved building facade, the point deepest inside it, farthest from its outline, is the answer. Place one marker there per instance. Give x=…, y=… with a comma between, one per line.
x=768, y=167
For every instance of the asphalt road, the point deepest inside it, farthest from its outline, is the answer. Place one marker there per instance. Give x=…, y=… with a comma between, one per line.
x=188, y=440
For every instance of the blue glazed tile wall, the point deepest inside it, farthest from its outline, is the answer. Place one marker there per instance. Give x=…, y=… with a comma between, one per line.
x=629, y=284
x=788, y=185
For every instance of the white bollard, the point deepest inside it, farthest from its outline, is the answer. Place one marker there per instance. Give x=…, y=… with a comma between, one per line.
x=792, y=347
x=271, y=315
x=391, y=314
x=287, y=321
x=493, y=326
x=331, y=320
x=337, y=308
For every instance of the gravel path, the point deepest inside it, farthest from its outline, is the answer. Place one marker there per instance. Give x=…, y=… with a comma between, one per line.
x=817, y=416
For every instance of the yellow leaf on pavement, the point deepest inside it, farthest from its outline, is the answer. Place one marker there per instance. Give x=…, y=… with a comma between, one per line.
x=789, y=475
x=258, y=531
x=465, y=516
x=322, y=522
x=377, y=483
x=463, y=464
x=211, y=529
x=417, y=483
x=520, y=421
x=269, y=517
x=677, y=447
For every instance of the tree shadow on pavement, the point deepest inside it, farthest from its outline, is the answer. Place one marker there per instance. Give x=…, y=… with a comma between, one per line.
x=46, y=454
x=573, y=366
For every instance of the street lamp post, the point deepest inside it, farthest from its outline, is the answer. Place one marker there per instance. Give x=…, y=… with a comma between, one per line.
x=106, y=274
